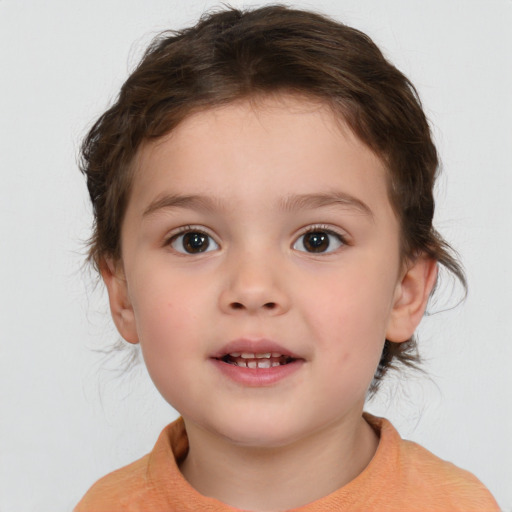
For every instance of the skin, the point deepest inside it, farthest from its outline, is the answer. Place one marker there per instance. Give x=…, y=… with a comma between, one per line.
x=258, y=164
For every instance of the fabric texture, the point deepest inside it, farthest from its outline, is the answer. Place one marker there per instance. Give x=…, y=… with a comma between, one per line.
x=401, y=476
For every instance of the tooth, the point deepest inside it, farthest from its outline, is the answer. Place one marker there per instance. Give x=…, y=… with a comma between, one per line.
x=261, y=356
x=264, y=363
x=243, y=364
x=275, y=363
x=235, y=354
x=252, y=364
x=276, y=354
x=247, y=355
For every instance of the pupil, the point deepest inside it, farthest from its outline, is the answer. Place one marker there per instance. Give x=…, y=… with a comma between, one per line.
x=195, y=242
x=316, y=242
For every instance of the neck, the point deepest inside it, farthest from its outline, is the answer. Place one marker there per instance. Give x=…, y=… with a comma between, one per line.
x=267, y=479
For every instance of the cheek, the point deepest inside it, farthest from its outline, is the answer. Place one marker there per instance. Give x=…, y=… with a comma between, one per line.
x=349, y=320
x=165, y=304
x=356, y=306
x=168, y=325
x=351, y=341
x=158, y=318
x=169, y=342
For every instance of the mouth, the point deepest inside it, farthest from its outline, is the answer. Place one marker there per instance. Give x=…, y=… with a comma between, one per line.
x=257, y=360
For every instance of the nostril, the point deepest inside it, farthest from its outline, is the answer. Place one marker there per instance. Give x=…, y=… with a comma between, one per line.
x=268, y=305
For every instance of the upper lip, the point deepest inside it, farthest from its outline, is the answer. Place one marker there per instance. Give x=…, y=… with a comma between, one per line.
x=253, y=346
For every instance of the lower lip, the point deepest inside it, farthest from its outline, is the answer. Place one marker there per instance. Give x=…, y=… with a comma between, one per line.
x=258, y=377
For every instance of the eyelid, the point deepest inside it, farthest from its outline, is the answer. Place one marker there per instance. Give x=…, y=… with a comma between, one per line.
x=324, y=227
x=189, y=228
x=331, y=230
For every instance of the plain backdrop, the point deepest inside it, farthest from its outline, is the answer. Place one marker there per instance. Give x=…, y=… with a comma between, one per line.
x=68, y=415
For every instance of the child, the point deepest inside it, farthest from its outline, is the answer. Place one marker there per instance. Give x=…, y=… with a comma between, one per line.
x=262, y=192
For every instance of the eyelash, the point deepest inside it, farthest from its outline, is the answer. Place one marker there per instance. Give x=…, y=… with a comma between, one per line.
x=190, y=230
x=321, y=229
x=316, y=229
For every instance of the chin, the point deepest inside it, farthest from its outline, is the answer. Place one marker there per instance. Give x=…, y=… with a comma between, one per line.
x=271, y=433
x=262, y=439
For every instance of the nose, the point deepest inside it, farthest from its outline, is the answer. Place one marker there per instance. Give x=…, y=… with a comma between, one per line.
x=254, y=285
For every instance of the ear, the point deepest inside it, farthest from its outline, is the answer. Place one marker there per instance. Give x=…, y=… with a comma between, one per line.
x=411, y=297
x=120, y=305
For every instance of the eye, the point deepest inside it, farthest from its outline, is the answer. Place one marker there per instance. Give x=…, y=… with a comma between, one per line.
x=319, y=240
x=193, y=242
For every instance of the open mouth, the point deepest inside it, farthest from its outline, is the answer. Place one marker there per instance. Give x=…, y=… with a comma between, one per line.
x=263, y=360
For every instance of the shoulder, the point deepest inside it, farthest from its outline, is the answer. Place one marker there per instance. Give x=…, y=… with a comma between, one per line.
x=117, y=489
x=442, y=481
x=428, y=479
x=138, y=486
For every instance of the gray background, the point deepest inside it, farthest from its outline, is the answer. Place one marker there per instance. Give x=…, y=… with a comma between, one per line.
x=66, y=415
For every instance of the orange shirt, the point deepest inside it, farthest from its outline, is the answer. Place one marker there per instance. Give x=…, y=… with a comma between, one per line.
x=402, y=476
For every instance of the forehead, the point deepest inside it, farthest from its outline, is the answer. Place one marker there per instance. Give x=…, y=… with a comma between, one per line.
x=262, y=149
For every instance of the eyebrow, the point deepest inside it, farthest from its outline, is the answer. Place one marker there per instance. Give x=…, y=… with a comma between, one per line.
x=311, y=201
x=198, y=202
x=290, y=203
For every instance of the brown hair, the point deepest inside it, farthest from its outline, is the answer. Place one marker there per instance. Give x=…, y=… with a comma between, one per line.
x=234, y=54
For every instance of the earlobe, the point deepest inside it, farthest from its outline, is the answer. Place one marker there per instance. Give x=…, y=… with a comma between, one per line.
x=411, y=298
x=120, y=304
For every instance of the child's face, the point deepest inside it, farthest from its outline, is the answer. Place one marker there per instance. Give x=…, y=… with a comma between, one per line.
x=261, y=229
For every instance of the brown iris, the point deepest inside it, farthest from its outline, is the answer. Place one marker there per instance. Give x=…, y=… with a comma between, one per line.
x=316, y=241
x=195, y=242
